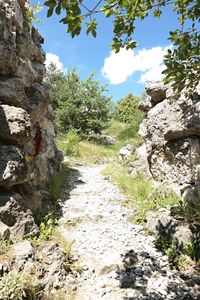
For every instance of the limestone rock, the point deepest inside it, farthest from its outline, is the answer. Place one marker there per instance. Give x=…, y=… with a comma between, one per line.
x=161, y=223
x=38, y=97
x=28, y=152
x=126, y=151
x=171, y=132
x=12, y=92
x=103, y=138
x=16, y=216
x=8, y=61
x=13, y=166
x=156, y=89
x=15, y=125
x=146, y=104
x=22, y=250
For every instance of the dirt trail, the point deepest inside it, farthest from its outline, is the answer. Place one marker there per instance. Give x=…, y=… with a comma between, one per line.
x=118, y=258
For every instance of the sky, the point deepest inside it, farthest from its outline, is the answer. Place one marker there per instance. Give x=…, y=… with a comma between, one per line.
x=124, y=72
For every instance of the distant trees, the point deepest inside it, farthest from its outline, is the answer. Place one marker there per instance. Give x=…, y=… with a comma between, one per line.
x=79, y=105
x=127, y=108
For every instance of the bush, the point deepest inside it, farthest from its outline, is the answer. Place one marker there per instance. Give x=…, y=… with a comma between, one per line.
x=71, y=148
x=15, y=286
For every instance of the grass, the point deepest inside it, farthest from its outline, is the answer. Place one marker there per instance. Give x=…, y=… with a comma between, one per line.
x=58, y=182
x=142, y=196
x=91, y=152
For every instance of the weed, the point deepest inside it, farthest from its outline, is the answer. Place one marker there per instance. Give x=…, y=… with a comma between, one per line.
x=189, y=250
x=16, y=286
x=173, y=253
x=58, y=182
x=184, y=262
x=162, y=243
x=189, y=211
x=47, y=228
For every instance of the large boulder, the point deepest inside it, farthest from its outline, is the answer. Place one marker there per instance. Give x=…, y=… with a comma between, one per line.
x=16, y=217
x=156, y=90
x=162, y=224
x=171, y=132
x=12, y=92
x=15, y=125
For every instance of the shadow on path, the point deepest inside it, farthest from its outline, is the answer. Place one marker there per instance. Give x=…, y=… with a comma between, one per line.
x=73, y=181
x=143, y=273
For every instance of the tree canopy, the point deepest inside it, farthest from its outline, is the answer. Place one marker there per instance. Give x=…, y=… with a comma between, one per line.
x=182, y=61
x=79, y=105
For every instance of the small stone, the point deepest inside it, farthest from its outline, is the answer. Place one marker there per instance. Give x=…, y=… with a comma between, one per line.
x=23, y=250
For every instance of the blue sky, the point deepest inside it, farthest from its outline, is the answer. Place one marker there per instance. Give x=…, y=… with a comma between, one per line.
x=124, y=72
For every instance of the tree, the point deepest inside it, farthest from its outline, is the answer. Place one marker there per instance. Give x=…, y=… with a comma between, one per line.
x=182, y=62
x=128, y=110
x=79, y=105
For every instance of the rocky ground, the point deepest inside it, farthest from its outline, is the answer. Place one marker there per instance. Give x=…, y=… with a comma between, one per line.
x=118, y=259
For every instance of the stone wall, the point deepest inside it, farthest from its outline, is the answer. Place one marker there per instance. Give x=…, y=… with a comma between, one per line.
x=171, y=132
x=28, y=155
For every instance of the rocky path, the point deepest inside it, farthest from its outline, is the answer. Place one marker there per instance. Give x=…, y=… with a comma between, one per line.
x=119, y=259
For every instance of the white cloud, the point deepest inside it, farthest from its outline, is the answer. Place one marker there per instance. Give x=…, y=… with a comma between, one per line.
x=154, y=73
x=55, y=59
x=119, y=66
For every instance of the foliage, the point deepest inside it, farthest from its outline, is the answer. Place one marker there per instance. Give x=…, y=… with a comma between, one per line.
x=180, y=257
x=91, y=152
x=15, y=286
x=4, y=245
x=46, y=228
x=71, y=148
x=141, y=194
x=29, y=13
x=182, y=61
x=80, y=105
x=58, y=182
x=128, y=109
x=188, y=210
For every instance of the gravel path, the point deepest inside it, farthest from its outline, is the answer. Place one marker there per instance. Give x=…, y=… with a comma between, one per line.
x=119, y=259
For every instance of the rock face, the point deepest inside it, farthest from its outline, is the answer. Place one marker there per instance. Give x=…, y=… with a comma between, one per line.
x=28, y=153
x=171, y=132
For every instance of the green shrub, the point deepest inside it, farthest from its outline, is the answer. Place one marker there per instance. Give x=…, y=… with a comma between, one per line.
x=46, y=228
x=71, y=148
x=15, y=286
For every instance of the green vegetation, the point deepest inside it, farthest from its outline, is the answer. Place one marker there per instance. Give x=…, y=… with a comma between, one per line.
x=128, y=111
x=182, y=60
x=190, y=211
x=48, y=232
x=4, y=245
x=141, y=194
x=79, y=105
x=90, y=152
x=180, y=257
x=46, y=225
x=16, y=286
x=58, y=182
x=71, y=148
